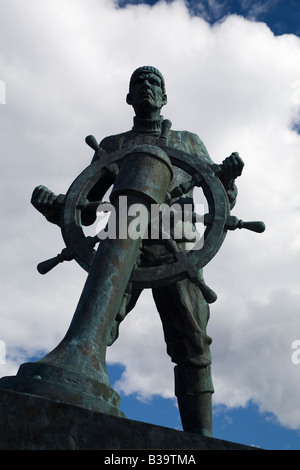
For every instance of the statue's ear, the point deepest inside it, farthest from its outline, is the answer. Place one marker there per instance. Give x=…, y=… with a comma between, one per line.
x=128, y=99
x=165, y=99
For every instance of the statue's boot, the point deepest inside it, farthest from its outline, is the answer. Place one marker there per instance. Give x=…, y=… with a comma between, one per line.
x=193, y=389
x=196, y=413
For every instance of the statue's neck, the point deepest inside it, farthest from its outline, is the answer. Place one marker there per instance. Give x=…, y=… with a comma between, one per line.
x=151, y=126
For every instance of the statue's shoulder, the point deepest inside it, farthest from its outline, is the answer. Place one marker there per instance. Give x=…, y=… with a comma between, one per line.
x=191, y=143
x=115, y=142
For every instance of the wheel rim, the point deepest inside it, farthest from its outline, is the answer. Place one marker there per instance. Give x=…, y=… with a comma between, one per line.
x=155, y=276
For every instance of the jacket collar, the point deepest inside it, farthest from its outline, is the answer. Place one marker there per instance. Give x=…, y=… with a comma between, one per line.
x=149, y=126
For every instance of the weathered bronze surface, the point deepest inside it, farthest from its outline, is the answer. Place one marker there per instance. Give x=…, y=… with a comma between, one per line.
x=29, y=422
x=150, y=164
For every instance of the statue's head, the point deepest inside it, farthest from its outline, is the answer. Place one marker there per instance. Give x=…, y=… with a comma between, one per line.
x=147, y=92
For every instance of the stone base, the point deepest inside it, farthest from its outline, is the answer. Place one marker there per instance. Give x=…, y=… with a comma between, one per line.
x=63, y=385
x=28, y=422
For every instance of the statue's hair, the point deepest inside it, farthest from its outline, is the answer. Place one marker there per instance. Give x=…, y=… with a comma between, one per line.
x=149, y=69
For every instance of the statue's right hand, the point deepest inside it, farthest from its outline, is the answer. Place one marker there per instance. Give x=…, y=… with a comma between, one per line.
x=42, y=199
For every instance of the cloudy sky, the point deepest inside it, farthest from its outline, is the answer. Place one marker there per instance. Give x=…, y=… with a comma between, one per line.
x=231, y=78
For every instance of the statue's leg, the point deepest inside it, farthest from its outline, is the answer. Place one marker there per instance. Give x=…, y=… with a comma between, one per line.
x=130, y=298
x=184, y=314
x=193, y=389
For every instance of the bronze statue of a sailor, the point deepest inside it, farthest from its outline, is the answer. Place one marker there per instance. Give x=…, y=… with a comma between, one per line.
x=183, y=310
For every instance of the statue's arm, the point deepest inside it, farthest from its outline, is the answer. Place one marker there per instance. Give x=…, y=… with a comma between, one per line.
x=51, y=206
x=231, y=168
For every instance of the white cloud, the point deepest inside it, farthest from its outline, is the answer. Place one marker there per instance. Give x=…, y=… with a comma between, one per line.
x=66, y=66
x=258, y=356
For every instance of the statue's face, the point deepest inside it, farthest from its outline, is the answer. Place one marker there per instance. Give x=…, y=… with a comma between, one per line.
x=146, y=92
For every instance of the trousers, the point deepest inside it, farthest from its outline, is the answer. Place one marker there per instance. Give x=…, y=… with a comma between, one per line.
x=184, y=314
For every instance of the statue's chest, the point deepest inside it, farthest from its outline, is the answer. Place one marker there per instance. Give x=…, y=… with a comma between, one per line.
x=180, y=176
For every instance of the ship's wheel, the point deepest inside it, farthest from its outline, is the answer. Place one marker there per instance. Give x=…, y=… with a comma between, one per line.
x=217, y=220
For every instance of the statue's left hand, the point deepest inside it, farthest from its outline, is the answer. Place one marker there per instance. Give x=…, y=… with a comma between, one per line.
x=232, y=167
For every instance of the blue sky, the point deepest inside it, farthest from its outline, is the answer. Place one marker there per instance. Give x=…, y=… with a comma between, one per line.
x=66, y=65
x=283, y=17
x=245, y=425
